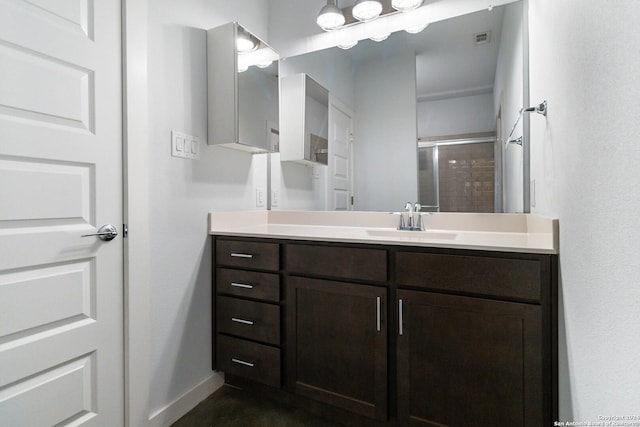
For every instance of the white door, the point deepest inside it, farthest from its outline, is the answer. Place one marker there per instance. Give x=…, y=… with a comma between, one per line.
x=339, y=173
x=61, y=309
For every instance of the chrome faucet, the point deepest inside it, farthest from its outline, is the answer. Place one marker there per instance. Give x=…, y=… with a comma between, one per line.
x=409, y=223
x=414, y=218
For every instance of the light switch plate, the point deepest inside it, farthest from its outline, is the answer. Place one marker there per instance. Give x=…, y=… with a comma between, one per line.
x=185, y=146
x=275, y=198
x=259, y=197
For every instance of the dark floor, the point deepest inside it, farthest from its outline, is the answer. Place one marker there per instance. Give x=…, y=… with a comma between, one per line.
x=231, y=407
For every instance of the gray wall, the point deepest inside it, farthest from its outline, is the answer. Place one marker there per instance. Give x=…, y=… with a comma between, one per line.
x=182, y=192
x=385, y=165
x=585, y=158
x=453, y=116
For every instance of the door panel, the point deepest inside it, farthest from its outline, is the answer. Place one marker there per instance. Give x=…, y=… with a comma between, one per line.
x=61, y=312
x=340, y=174
x=469, y=361
x=337, y=344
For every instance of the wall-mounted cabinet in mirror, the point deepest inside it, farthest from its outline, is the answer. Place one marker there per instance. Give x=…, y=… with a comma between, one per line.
x=304, y=114
x=242, y=73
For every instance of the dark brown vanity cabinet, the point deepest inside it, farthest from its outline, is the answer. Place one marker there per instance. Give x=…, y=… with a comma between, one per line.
x=247, y=310
x=398, y=335
x=337, y=330
x=474, y=339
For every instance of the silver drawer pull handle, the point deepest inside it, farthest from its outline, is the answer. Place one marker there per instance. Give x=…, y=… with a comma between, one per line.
x=243, y=321
x=236, y=255
x=242, y=362
x=241, y=285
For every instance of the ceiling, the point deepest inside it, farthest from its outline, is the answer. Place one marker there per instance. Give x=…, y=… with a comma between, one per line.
x=448, y=62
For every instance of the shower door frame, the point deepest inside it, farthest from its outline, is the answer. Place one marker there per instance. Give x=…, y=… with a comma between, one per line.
x=441, y=141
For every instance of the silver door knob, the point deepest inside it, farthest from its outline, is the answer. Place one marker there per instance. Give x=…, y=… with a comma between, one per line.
x=106, y=233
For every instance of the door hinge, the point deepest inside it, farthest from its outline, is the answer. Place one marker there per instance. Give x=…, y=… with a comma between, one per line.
x=125, y=231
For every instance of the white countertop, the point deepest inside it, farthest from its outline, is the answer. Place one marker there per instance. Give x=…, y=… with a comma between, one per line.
x=525, y=233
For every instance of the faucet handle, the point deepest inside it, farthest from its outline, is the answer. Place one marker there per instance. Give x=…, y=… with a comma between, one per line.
x=408, y=206
x=401, y=225
x=417, y=207
x=420, y=223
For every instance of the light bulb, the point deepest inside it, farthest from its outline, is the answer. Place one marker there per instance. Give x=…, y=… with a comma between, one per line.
x=366, y=10
x=348, y=45
x=380, y=37
x=264, y=64
x=405, y=5
x=330, y=17
x=416, y=29
x=245, y=43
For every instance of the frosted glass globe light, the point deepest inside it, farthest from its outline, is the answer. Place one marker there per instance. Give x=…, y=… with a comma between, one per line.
x=330, y=16
x=380, y=37
x=405, y=5
x=366, y=10
x=245, y=43
x=416, y=29
x=348, y=45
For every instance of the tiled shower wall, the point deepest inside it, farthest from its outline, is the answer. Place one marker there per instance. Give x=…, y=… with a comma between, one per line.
x=466, y=177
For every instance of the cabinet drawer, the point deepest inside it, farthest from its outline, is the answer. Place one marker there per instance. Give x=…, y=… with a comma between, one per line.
x=249, y=319
x=246, y=359
x=254, y=255
x=339, y=262
x=250, y=284
x=497, y=277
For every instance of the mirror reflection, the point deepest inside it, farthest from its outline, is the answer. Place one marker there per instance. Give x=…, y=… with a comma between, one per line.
x=422, y=116
x=257, y=92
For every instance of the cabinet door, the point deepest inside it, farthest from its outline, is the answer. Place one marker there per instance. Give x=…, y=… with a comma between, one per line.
x=468, y=361
x=337, y=344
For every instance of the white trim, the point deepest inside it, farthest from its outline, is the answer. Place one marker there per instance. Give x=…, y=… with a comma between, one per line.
x=136, y=212
x=183, y=404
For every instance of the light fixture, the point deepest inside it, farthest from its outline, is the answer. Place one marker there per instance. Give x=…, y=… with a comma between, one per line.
x=348, y=45
x=245, y=42
x=416, y=29
x=264, y=64
x=366, y=10
x=330, y=16
x=405, y=5
x=380, y=37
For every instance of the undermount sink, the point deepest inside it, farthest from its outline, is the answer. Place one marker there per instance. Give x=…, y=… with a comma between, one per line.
x=407, y=234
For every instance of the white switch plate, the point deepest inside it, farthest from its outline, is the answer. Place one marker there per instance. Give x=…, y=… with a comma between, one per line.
x=275, y=198
x=259, y=197
x=185, y=146
x=532, y=193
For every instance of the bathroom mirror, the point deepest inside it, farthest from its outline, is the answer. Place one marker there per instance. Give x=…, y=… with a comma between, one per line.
x=430, y=114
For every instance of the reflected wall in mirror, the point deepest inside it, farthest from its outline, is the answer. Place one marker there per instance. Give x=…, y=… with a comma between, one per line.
x=430, y=111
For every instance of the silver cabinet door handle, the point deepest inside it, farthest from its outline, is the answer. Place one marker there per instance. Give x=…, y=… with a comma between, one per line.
x=400, y=316
x=237, y=255
x=378, y=320
x=243, y=321
x=241, y=285
x=242, y=362
x=106, y=233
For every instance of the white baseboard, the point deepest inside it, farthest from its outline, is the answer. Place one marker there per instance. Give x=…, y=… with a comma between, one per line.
x=171, y=413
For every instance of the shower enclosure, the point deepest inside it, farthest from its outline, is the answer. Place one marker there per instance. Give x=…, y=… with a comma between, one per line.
x=459, y=175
